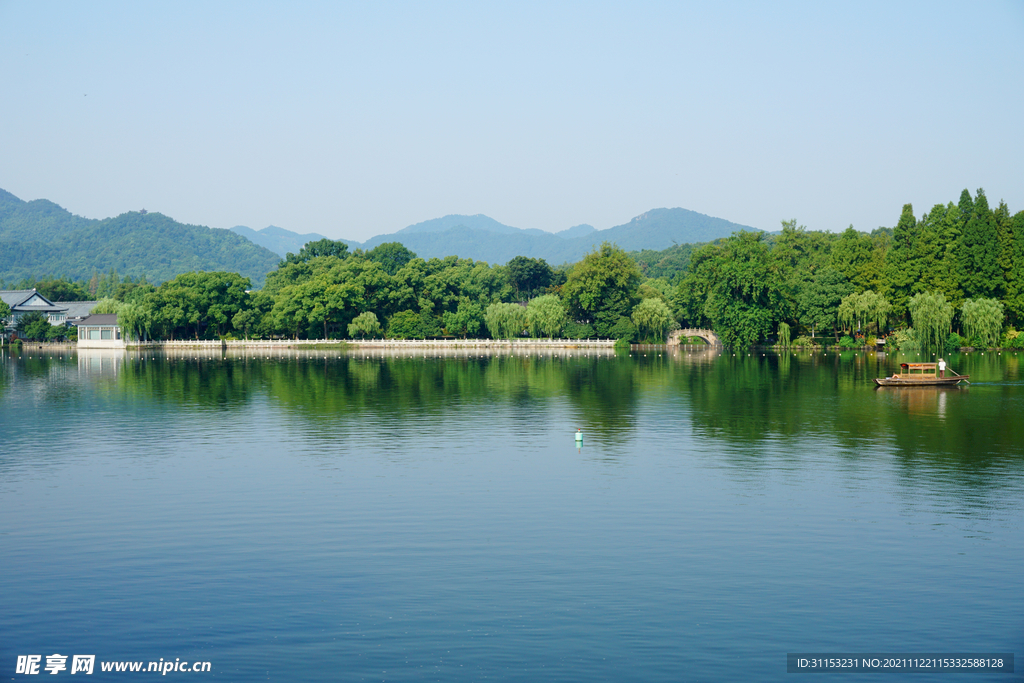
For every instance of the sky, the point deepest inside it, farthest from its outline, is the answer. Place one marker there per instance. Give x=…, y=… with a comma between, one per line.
x=356, y=119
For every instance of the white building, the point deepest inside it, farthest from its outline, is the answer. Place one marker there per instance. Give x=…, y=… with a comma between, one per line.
x=100, y=332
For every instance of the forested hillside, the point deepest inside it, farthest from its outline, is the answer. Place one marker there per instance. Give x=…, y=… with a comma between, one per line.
x=39, y=238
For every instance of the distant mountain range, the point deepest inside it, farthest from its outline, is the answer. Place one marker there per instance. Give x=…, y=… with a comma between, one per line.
x=277, y=240
x=485, y=239
x=39, y=238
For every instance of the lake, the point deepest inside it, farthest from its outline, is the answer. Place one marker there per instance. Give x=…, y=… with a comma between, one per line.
x=310, y=516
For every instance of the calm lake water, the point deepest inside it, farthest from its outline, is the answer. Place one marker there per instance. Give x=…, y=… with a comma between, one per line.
x=311, y=516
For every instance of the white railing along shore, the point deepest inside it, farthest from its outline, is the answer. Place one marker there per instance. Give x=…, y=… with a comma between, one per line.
x=379, y=343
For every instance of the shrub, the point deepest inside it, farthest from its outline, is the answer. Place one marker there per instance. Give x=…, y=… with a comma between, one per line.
x=954, y=341
x=575, y=330
x=848, y=342
x=1013, y=339
x=974, y=342
x=904, y=340
x=405, y=325
x=623, y=329
x=804, y=340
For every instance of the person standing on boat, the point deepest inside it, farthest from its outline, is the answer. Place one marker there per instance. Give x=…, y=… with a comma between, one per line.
x=942, y=368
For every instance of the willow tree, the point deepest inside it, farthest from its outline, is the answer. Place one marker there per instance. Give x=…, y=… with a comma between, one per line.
x=982, y=318
x=653, y=319
x=784, y=334
x=134, y=320
x=505, y=321
x=546, y=315
x=107, y=306
x=364, y=325
x=932, y=315
x=865, y=307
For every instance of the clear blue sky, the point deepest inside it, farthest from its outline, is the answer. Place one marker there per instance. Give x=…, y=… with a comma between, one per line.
x=357, y=119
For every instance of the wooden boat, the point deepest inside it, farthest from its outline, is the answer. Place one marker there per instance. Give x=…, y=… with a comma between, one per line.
x=919, y=375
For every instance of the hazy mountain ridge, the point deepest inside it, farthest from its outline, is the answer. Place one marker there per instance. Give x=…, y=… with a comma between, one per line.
x=476, y=222
x=40, y=238
x=277, y=240
x=484, y=239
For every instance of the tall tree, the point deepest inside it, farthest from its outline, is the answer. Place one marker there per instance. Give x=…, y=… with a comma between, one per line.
x=736, y=287
x=901, y=270
x=392, y=256
x=528, y=275
x=602, y=288
x=982, y=275
x=60, y=289
x=820, y=299
x=316, y=249
x=853, y=256
x=1015, y=278
x=199, y=303
x=1004, y=232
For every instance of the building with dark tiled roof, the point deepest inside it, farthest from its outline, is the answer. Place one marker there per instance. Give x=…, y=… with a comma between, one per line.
x=100, y=332
x=78, y=310
x=25, y=301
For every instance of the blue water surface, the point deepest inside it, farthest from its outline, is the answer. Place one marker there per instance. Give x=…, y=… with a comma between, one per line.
x=316, y=516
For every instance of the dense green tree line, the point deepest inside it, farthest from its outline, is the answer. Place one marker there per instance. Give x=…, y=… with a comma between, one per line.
x=956, y=274
x=325, y=292
x=958, y=267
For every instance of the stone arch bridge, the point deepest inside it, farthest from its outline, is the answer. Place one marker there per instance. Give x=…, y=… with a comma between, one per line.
x=707, y=335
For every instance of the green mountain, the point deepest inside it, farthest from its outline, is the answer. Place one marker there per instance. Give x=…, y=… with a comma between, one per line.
x=40, y=238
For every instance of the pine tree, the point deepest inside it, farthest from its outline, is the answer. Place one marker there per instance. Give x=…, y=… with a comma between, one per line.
x=979, y=254
x=1004, y=233
x=928, y=251
x=900, y=271
x=852, y=255
x=966, y=207
x=951, y=276
x=1014, y=299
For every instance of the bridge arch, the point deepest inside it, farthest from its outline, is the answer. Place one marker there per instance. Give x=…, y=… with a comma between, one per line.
x=674, y=339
